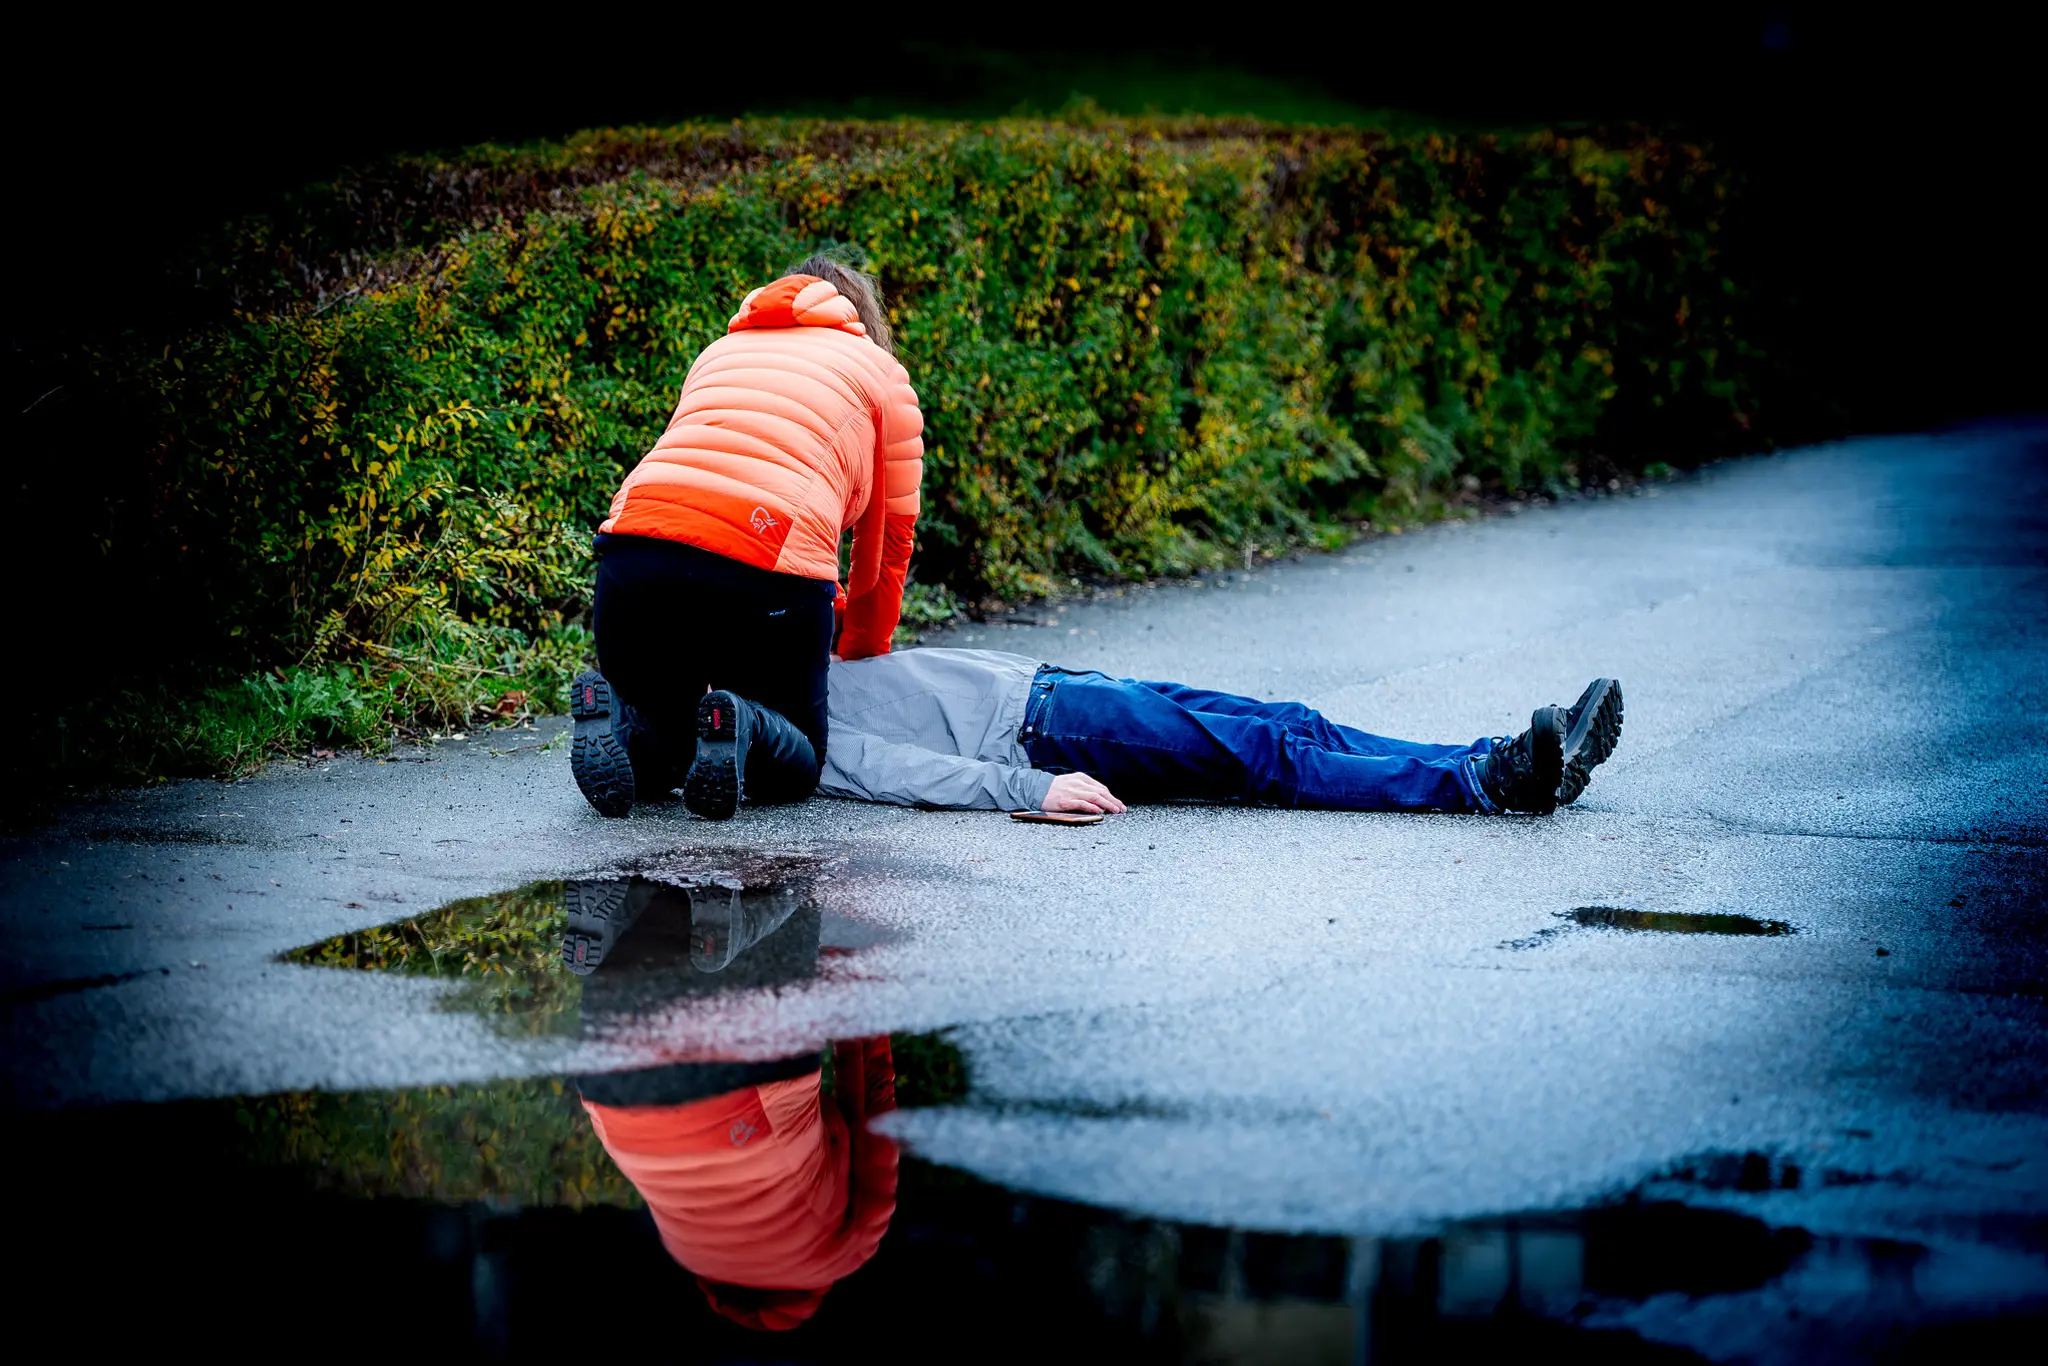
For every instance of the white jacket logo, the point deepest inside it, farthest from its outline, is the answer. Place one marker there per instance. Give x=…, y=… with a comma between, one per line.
x=763, y=521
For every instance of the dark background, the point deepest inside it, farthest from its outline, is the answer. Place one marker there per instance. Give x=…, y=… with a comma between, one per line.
x=1889, y=158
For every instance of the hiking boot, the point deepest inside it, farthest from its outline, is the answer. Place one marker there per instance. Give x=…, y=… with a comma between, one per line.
x=1592, y=728
x=597, y=755
x=1522, y=774
x=734, y=734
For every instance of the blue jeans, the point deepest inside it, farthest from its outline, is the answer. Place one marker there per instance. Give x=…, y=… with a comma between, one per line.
x=1161, y=741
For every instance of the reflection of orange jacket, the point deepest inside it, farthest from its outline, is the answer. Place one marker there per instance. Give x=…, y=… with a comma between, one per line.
x=770, y=1186
x=791, y=428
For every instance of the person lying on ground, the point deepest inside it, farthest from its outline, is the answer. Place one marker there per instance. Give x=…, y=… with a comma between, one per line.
x=984, y=730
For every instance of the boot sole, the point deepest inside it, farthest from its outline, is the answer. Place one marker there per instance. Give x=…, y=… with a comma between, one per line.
x=1546, y=727
x=596, y=758
x=1593, y=739
x=713, y=788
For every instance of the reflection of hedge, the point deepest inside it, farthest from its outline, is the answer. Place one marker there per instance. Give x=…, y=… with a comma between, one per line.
x=1142, y=348
x=505, y=950
x=525, y=1142
x=930, y=1070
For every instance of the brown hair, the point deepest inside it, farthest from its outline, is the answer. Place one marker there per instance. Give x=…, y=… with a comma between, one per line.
x=861, y=289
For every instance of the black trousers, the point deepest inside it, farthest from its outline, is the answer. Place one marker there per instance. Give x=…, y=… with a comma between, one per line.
x=683, y=1082
x=672, y=620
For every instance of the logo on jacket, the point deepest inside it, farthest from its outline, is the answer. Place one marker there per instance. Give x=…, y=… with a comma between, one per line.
x=740, y=1132
x=763, y=521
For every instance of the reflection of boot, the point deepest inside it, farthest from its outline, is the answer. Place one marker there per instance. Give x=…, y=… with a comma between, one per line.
x=726, y=921
x=600, y=913
x=738, y=740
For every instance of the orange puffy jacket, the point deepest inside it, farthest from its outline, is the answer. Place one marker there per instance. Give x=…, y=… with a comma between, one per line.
x=769, y=1187
x=792, y=427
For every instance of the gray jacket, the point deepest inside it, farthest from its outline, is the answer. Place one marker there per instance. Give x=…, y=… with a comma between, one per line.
x=932, y=728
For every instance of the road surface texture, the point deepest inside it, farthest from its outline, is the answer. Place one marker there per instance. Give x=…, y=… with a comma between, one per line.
x=1836, y=671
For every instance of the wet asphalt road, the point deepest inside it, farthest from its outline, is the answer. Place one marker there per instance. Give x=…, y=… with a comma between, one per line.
x=1836, y=668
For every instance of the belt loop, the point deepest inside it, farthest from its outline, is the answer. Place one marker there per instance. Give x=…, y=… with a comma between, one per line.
x=1034, y=705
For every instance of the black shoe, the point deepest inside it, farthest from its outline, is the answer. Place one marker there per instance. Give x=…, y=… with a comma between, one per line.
x=734, y=735
x=713, y=788
x=1592, y=730
x=598, y=755
x=1522, y=774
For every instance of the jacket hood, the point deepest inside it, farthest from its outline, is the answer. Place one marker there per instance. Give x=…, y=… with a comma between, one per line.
x=797, y=301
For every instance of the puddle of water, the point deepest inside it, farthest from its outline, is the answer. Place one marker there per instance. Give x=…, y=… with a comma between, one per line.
x=1673, y=922
x=736, y=1211
x=563, y=958
x=709, y=1221
x=1633, y=921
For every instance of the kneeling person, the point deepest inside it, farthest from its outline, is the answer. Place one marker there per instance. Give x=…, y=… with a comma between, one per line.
x=980, y=729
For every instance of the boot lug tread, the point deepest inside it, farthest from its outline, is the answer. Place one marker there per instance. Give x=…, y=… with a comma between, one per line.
x=1602, y=735
x=715, y=786
x=597, y=758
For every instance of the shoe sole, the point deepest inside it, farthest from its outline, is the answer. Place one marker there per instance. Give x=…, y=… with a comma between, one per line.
x=1593, y=739
x=712, y=790
x=596, y=756
x=1546, y=730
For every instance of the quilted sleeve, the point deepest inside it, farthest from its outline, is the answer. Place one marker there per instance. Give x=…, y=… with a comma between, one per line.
x=884, y=536
x=902, y=449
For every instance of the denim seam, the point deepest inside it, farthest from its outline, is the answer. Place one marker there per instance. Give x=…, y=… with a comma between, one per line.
x=1469, y=777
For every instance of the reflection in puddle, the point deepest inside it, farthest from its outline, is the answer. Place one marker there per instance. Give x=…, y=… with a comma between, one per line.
x=770, y=1193
x=774, y=1227
x=1656, y=922
x=724, y=919
x=763, y=1182
x=529, y=958
x=745, y=1210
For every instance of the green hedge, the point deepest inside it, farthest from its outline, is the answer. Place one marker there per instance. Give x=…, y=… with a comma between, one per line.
x=1143, y=348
